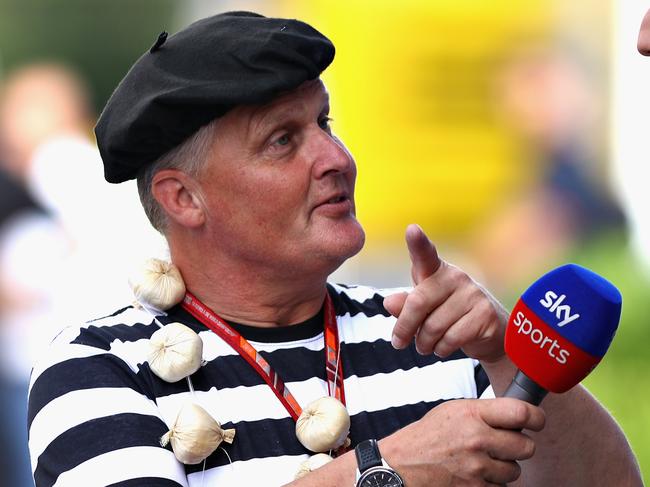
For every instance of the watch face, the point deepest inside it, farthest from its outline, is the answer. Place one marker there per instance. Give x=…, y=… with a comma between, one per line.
x=380, y=478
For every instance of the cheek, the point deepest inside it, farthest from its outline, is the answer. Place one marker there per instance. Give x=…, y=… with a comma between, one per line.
x=259, y=199
x=271, y=205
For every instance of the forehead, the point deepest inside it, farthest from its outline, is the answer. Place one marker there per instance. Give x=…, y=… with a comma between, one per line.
x=309, y=91
x=309, y=96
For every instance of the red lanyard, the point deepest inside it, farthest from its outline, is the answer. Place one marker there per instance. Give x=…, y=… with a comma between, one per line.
x=334, y=369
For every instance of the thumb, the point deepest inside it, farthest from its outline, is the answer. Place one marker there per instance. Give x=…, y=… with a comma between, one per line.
x=395, y=302
x=423, y=254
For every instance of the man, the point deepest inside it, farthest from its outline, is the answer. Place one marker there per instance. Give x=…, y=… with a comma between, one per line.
x=226, y=127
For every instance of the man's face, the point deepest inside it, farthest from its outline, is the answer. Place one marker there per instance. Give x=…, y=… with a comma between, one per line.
x=643, y=43
x=279, y=187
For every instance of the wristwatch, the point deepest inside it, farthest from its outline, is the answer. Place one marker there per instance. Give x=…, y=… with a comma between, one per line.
x=372, y=469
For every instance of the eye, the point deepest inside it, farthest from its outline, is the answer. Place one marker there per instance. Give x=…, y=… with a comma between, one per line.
x=324, y=123
x=282, y=140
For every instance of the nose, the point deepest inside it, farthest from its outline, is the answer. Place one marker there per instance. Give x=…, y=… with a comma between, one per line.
x=329, y=154
x=643, y=42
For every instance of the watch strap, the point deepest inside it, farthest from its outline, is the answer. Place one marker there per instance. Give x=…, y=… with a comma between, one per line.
x=368, y=456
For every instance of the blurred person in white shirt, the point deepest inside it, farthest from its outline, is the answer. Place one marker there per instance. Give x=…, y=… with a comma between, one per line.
x=55, y=267
x=57, y=264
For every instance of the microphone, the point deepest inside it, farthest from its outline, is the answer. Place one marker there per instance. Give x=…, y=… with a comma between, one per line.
x=559, y=330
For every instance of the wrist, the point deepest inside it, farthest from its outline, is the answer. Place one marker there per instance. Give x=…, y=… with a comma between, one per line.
x=372, y=468
x=389, y=451
x=500, y=372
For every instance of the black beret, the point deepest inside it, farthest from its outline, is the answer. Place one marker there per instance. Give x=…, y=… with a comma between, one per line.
x=197, y=75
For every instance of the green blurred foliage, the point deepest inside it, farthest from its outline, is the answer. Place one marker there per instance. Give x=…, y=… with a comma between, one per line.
x=99, y=39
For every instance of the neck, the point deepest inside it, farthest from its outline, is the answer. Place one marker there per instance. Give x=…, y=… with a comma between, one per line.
x=253, y=296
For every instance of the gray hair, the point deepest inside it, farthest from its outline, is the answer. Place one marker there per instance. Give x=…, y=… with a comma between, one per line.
x=190, y=157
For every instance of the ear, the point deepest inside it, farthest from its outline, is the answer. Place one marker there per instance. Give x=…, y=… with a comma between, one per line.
x=180, y=197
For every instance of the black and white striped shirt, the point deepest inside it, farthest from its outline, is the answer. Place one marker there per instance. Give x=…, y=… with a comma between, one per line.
x=97, y=412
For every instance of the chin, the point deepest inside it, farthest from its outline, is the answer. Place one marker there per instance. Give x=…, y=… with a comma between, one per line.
x=361, y=240
x=347, y=243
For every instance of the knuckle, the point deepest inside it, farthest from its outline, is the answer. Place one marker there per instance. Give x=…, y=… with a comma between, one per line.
x=417, y=297
x=476, y=467
x=475, y=443
x=432, y=325
x=452, y=336
x=520, y=412
x=478, y=409
x=429, y=329
x=456, y=276
x=466, y=407
x=452, y=339
x=484, y=307
x=481, y=305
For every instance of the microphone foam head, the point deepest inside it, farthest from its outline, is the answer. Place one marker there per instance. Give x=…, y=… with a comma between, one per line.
x=562, y=326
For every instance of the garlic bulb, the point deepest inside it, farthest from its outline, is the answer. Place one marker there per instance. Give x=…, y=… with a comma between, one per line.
x=195, y=434
x=175, y=352
x=323, y=425
x=312, y=463
x=158, y=284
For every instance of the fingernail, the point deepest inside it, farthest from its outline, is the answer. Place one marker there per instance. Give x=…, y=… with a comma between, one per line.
x=438, y=354
x=397, y=342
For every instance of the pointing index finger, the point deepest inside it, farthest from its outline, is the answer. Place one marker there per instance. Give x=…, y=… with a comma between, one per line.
x=424, y=256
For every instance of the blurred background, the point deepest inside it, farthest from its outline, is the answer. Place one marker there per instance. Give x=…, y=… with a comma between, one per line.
x=514, y=133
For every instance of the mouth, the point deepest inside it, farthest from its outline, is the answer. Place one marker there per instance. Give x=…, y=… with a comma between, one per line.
x=336, y=199
x=336, y=204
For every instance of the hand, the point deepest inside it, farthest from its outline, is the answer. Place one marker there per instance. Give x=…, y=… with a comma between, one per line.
x=446, y=310
x=465, y=442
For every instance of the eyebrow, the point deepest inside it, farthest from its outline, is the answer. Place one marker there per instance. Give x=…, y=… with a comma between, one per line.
x=266, y=118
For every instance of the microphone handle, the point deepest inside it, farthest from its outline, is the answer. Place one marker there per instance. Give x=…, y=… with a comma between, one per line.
x=525, y=389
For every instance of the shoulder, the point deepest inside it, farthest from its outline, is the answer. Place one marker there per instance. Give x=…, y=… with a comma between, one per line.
x=101, y=335
x=98, y=355
x=85, y=350
x=87, y=390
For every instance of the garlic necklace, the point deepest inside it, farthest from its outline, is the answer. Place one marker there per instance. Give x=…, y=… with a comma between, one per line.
x=324, y=423
x=322, y=426
x=158, y=284
x=195, y=434
x=312, y=463
x=176, y=352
